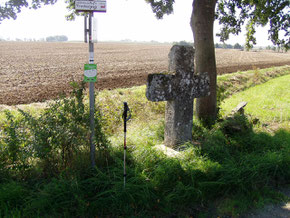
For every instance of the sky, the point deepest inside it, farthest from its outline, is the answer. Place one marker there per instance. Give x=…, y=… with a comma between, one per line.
x=124, y=19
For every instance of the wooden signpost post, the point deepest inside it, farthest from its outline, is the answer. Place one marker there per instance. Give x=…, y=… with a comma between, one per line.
x=90, y=70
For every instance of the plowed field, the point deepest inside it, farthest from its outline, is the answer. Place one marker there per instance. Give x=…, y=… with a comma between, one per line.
x=33, y=72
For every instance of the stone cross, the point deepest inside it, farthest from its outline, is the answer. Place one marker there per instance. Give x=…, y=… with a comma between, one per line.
x=179, y=88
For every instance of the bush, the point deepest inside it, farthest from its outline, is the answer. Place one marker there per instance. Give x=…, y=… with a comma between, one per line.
x=12, y=197
x=52, y=141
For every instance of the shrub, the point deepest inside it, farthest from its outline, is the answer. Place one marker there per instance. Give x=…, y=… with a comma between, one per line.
x=51, y=141
x=12, y=197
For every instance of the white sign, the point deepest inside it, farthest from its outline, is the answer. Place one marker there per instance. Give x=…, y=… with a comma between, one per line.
x=91, y=73
x=91, y=5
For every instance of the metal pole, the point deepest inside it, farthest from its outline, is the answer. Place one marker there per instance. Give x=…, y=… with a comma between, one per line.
x=126, y=117
x=86, y=28
x=125, y=147
x=125, y=139
x=92, y=95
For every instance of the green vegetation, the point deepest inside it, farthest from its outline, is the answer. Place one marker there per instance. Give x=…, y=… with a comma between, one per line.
x=228, y=169
x=270, y=101
x=230, y=84
x=228, y=46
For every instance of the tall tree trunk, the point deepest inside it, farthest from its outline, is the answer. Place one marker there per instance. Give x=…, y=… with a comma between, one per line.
x=202, y=21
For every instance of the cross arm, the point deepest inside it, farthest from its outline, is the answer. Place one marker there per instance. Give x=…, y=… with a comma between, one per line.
x=201, y=86
x=160, y=87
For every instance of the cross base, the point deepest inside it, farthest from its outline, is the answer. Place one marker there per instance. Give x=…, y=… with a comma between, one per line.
x=178, y=128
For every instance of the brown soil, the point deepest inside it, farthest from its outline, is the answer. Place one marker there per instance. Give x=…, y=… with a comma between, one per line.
x=35, y=72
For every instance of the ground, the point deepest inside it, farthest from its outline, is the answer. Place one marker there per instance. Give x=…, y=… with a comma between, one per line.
x=35, y=72
x=281, y=210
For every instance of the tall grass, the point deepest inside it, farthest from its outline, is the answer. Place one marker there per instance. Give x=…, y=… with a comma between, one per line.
x=45, y=163
x=226, y=166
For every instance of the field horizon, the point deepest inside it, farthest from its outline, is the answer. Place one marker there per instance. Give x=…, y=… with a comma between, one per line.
x=39, y=71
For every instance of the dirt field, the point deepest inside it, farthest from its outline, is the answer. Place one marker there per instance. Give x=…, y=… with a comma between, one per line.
x=33, y=72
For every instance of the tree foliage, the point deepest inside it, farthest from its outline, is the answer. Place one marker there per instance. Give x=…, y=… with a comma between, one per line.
x=11, y=8
x=161, y=7
x=233, y=14
x=238, y=46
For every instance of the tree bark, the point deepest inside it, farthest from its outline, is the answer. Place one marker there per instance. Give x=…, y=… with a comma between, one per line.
x=202, y=22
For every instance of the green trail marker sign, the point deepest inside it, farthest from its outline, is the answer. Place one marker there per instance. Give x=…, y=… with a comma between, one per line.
x=90, y=74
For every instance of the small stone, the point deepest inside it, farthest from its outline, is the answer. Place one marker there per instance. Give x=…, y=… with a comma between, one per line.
x=167, y=151
x=240, y=108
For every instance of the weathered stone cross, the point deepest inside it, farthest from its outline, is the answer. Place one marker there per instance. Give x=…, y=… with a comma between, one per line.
x=179, y=90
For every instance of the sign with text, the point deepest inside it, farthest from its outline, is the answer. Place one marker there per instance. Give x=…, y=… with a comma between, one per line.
x=90, y=73
x=91, y=5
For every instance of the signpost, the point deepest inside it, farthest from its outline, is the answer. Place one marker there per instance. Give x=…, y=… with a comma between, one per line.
x=91, y=5
x=90, y=70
